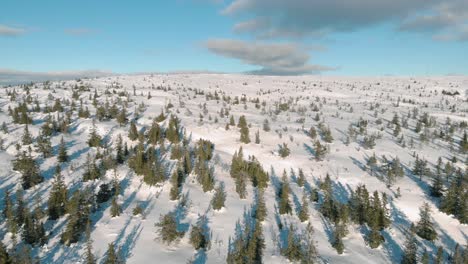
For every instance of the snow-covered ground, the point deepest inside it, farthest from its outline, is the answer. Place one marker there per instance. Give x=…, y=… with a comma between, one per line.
x=341, y=102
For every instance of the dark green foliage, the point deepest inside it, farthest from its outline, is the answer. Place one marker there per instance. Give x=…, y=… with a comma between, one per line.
x=105, y=193
x=219, y=197
x=454, y=200
x=410, y=249
x=92, y=171
x=437, y=186
x=57, y=202
x=79, y=208
x=137, y=210
x=122, y=117
x=320, y=150
x=251, y=169
x=249, y=243
x=112, y=257
x=33, y=229
x=62, y=152
x=167, y=228
x=155, y=134
x=292, y=250
x=120, y=154
x=115, y=210
x=26, y=139
x=260, y=211
x=425, y=228
x=338, y=235
x=4, y=256
x=44, y=146
x=464, y=143
x=29, y=169
x=133, y=132
x=284, y=150
x=177, y=179
x=173, y=132
x=94, y=139
x=199, y=235
x=301, y=179
x=244, y=129
x=304, y=211
x=284, y=206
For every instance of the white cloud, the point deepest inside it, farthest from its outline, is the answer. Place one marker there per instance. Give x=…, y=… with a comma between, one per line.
x=11, y=31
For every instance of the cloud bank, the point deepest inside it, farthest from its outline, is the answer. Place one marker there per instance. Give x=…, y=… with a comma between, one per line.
x=9, y=76
x=273, y=59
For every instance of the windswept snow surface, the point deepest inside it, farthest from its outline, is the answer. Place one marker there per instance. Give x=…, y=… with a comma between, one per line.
x=342, y=101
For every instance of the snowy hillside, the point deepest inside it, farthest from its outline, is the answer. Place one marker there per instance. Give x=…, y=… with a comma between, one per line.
x=343, y=167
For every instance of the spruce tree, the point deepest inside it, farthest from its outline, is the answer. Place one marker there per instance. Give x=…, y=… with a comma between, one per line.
x=284, y=204
x=57, y=197
x=410, y=249
x=26, y=139
x=167, y=228
x=219, y=197
x=425, y=228
x=115, y=210
x=112, y=256
x=94, y=139
x=62, y=152
x=89, y=256
x=304, y=212
x=338, y=235
x=133, y=132
x=261, y=209
x=301, y=179
x=464, y=143
x=437, y=186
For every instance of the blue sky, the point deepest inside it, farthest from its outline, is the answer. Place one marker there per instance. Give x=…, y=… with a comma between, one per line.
x=361, y=37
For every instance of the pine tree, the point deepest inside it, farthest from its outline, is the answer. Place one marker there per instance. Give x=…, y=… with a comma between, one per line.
x=94, y=139
x=89, y=256
x=154, y=134
x=244, y=138
x=464, y=143
x=338, y=238
x=133, y=132
x=4, y=256
x=29, y=169
x=257, y=137
x=410, y=249
x=301, y=179
x=26, y=139
x=219, y=197
x=260, y=209
x=199, y=234
x=120, y=152
x=167, y=228
x=62, y=152
x=304, y=213
x=241, y=185
x=440, y=256
x=57, y=197
x=292, y=251
x=425, y=259
x=425, y=228
x=437, y=186
x=284, y=204
x=122, y=117
x=115, y=208
x=111, y=255
x=44, y=146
